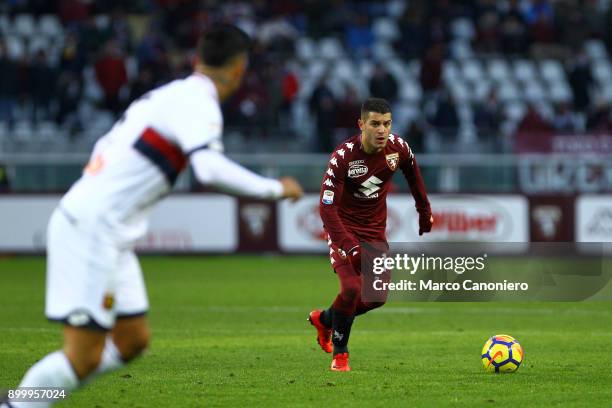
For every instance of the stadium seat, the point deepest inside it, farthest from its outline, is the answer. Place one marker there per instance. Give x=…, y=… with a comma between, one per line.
x=552, y=70
x=463, y=29
x=5, y=24
x=461, y=50
x=15, y=46
x=404, y=113
x=91, y=89
x=316, y=69
x=534, y=91
x=305, y=49
x=382, y=50
x=415, y=68
x=399, y=69
x=38, y=42
x=525, y=71
x=131, y=67
x=508, y=91
x=472, y=70
x=307, y=86
x=344, y=70
x=102, y=21
x=466, y=135
x=605, y=93
x=499, y=70
x=46, y=130
x=338, y=88
x=595, y=49
x=515, y=111
x=481, y=90
x=460, y=91
x=546, y=110
x=4, y=131
x=365, y=68
x=330, y=48
x=23, y=131
x=450, y=72
x=410, y=91
x=395, y=8
x=23, y=25
x=101, y=123
x=602, y=71
x=385, y=29
x=465, y=113
x=560, y=92
x=50, y=26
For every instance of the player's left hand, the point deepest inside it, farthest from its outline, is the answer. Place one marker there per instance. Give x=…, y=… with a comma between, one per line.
x=354, y=257
x=425, y=223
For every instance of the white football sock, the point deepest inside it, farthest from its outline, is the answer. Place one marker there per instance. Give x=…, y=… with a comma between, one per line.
x=54, y=370
x=111, y=360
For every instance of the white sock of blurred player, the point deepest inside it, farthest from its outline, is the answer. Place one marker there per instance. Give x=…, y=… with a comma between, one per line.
x=55, y=370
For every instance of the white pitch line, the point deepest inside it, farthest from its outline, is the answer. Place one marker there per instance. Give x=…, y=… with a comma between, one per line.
x=409, y=310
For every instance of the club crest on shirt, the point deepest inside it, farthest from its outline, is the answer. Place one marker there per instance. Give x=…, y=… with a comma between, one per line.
x=392, y=160
x=108, y=301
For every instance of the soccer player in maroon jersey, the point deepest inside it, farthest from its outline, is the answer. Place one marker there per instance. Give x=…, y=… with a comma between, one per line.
x=353, y=208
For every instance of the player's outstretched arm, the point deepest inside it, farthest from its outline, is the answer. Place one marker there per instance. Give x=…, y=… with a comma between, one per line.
x=412, y=173
x=215, y=169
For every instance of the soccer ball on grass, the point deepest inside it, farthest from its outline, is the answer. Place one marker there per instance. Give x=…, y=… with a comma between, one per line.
x=502, y=354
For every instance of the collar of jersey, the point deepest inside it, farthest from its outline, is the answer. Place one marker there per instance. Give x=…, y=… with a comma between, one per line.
x=208, y=82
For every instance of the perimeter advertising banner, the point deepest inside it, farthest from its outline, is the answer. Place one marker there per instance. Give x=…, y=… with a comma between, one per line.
x=594, y=218
x=482, y=218
x=194, y=223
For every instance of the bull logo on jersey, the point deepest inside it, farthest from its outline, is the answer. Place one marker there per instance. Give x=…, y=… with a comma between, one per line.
x=392, y=160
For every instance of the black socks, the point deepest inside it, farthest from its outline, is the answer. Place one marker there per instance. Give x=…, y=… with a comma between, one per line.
x=326, y=317
x=341, y=330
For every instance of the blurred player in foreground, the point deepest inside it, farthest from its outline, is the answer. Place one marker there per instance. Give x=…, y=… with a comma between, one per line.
x=353, y=206
x=94, y=281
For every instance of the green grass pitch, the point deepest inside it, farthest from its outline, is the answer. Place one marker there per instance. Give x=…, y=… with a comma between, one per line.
x=232, y=331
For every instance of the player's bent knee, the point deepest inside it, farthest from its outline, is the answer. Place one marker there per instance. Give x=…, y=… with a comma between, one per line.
x=140, y=342
x=132, y=343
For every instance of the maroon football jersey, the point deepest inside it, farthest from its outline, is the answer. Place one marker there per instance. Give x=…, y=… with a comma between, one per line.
x=353, y=199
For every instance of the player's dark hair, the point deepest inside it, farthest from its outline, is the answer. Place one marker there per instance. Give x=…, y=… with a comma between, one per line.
x=220, y=43
x=377, y=105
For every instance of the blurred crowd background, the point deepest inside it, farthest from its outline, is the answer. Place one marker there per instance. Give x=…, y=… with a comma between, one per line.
x=462, y=75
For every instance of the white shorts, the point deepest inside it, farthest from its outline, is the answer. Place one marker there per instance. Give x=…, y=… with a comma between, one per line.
x=90, y=281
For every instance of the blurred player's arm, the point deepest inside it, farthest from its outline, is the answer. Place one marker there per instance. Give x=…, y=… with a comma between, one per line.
x=329, y=199
x=412, y=173
x=213, y=168
x=198, y=127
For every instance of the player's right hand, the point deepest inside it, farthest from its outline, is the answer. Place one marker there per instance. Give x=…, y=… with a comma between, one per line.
x=291, y=188
x=425, y=223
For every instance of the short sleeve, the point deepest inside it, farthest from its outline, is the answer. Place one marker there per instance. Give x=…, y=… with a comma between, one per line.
x=192, y=122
